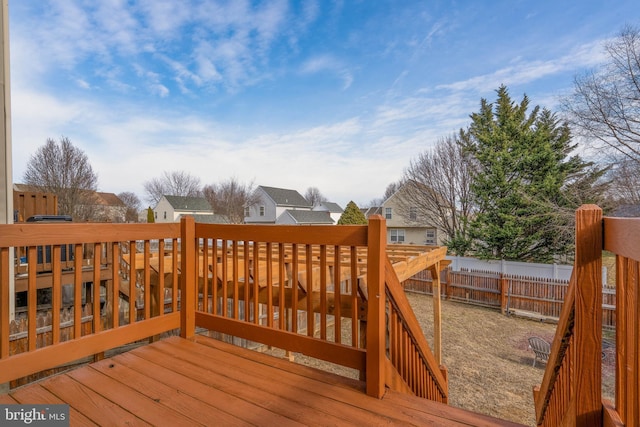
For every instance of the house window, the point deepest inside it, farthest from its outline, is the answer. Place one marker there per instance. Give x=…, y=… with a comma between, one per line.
x=413, y=213
x=387, y=213
x=246, y=211
x=431, y=236
x=165, y=214
x=155, y=215
x=397, y=236
x=261, y=210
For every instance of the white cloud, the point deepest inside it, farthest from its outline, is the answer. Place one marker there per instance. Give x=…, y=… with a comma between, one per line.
x=522, y=72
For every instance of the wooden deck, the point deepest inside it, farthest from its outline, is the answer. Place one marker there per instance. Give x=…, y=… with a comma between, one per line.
x=207, y=382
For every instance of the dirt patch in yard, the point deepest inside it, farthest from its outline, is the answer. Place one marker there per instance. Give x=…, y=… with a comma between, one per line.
x=488, y=358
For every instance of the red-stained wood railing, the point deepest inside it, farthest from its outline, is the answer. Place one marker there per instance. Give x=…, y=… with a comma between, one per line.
x=93, y=271
x=622, y=237
x=411, y=364
x=328, y=292
x=343, y=289
x=291, y=287
x=571, y=390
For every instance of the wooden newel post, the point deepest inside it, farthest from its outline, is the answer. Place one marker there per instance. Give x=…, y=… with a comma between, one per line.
x=587, y=374
x=188, y=280
x=376, y=325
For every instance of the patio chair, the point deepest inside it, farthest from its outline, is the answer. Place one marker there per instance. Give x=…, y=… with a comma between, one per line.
x=541, y=348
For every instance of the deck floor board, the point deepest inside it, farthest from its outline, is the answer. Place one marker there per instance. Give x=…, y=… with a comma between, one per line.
x=207, y=382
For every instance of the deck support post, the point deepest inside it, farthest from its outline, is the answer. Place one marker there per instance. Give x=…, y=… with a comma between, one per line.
x=188, y=278
x=588, y=317
x=437, y=313
x=376, y=325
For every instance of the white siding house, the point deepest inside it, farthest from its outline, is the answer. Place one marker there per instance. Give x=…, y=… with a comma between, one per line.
x=170, y=208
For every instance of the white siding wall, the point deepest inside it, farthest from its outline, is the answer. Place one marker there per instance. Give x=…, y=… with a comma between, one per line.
x=164, y=207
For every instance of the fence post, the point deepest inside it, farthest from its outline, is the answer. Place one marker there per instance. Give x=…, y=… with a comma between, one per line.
x=588, y=317
x=376, y=325
x=188, y=278
x=503, y=294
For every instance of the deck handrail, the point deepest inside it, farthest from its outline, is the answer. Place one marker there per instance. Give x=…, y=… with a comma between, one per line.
x=287, y=266
x=572, y=384
x=622, y=237
x=328, y=292
x=106, y=331
x=411, y=364
x=571, y=389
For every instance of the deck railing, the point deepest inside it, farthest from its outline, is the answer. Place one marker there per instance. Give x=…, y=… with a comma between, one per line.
x=115, y=321
x=328, y=292
x=413, y=366
x=571, y=389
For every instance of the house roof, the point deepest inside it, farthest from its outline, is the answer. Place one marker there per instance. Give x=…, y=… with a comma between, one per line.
x=285, y=197
x=208, y=219
x=372, y=211
x=108, y=199
x=184, y=203
x=309, y=217
x=329, y=207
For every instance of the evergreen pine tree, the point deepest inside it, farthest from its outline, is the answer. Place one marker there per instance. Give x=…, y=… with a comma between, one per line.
x=520, y=171
x=352, y=215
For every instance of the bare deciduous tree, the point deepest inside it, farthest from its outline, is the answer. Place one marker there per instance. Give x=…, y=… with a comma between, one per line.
x=388, y=192
x=230, y=198
x=64, y=170
x=625, y=182
x=176, y=183
x=438, y=188
x=315, y=197
x=605, y=104
x=133, y=204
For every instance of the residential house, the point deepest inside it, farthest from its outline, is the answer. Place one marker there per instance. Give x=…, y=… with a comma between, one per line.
x=333, y=209
x=171, y=208
x=373, y=210
x=407, y=224
x=272, y=203
x=107, y=207
x=301, y=217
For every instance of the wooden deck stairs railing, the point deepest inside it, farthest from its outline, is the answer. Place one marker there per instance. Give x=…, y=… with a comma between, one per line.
x=329, y=292
x=571, y=389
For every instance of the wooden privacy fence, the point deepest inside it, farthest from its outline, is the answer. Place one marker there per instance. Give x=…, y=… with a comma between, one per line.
x=509, y=293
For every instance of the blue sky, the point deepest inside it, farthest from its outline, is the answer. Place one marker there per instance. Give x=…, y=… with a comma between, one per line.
x=338, y=95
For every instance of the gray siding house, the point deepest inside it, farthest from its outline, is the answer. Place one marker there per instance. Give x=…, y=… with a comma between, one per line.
x=291, y=217
x=333, y=209
x=273, y=202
